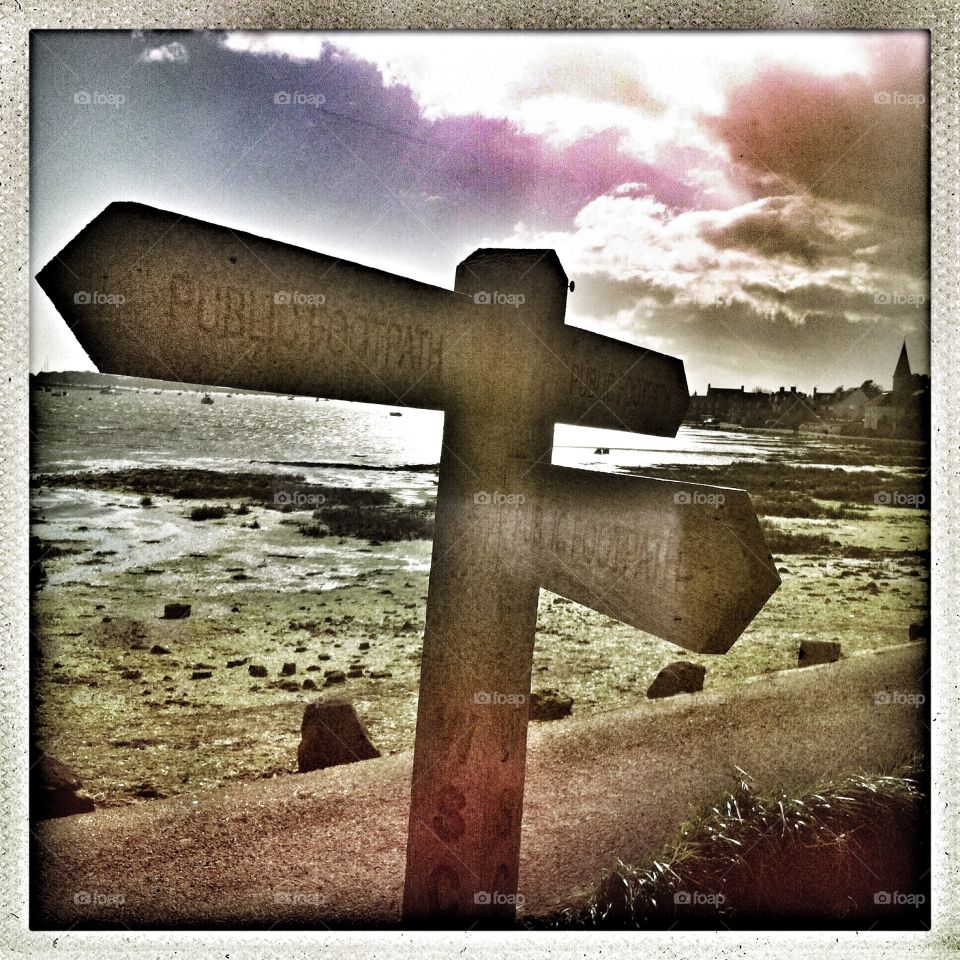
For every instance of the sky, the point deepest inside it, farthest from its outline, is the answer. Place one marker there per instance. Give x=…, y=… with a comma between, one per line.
x=754, y=203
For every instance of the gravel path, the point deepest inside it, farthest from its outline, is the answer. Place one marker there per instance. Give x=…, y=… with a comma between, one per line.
x=328, y=848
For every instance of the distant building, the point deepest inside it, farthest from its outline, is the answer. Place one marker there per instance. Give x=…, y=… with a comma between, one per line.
x=905, y=410
x=900, y=412
x=756, y=408
x=847, y=404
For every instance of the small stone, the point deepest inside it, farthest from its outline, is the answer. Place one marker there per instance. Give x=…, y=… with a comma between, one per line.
x=332, y=734
x=201, y=675
x=238, y=663
x=55, y=790
x=176, y=611
x=812, y=652
x=379, y=674
x=363, y=645
x=309, y=684
x=919, y=631
x=549, y=705
x=159, y=649
x=288, y=669
x=679, y=677
x=256, y=670
x=335, y=676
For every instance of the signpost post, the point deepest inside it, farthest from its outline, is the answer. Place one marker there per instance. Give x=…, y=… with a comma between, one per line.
x=153, y=294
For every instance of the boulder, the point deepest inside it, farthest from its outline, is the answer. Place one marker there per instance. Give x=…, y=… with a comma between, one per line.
x=176, y=611
x=332, y=734
x=257, y=670
x=288, y=669
x=549, y=705
x=56, y=790
x=679, y=677
x=818, y=651
x=334, y=676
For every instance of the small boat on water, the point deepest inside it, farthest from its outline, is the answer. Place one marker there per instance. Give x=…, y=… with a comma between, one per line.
x=206, y=398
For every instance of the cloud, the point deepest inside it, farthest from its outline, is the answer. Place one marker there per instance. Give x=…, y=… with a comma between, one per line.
x=174, y=52
x=855, y=138
x=783, y=273
x=613, y=78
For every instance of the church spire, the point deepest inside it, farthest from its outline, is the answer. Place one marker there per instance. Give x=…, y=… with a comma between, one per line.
x=902, y=376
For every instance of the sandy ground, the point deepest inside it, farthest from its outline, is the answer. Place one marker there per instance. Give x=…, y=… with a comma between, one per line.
x=135, y=725
x=327, y=848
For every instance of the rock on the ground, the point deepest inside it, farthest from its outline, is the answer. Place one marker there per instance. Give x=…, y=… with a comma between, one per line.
x=332, y=734
x=818, y=651
x=334, y=676
x=176, y=611
x=288, y=669
x=679, y=677
x=257, y=670
x=919, y=631
x=56, y=790
x=549, y=705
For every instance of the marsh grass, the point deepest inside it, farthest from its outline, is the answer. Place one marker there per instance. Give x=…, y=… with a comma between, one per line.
x=786, y=490
x=757, y=858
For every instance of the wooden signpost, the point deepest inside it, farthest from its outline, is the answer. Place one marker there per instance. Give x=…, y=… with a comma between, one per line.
x=153, y=294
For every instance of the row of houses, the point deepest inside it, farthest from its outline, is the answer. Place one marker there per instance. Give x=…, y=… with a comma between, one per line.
x=900, y=412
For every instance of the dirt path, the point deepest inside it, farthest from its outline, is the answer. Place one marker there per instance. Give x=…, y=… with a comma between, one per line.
x=328, y=848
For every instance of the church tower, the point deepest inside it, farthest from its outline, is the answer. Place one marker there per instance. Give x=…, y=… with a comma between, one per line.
x=902, y=378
